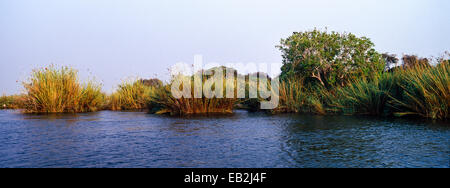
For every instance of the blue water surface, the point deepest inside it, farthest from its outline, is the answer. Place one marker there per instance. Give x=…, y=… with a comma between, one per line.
x=138, y=139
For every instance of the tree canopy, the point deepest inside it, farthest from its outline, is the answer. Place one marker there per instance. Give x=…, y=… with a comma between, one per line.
x=329, y=59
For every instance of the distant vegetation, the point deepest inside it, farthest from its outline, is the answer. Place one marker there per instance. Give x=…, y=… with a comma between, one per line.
x=322, y=73
x=11, y=102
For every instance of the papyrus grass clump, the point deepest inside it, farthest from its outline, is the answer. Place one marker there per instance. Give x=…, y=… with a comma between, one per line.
x=57, y=90
x=165, y=102
x=366, y=97
x=187, y=106
x=132, y=96
x=425, y=91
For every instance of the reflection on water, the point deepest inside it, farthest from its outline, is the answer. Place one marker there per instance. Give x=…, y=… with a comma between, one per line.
x=137, y=139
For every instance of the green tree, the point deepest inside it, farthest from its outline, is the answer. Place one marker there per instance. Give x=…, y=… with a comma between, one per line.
x=329, y=59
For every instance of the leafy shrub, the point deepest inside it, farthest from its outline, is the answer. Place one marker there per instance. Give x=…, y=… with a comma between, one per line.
x=330, y=59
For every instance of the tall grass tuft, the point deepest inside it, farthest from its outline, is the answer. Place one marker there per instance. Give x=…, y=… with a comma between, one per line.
x=57, y=90
x=295, y=97
x=91, y=98
x=166, y=103
x=363, y=96
x=131, y=96
x=425, y=91
x=187, y=106
x=291, y=96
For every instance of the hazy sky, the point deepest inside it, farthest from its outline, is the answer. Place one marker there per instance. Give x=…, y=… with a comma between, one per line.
x=118, y=40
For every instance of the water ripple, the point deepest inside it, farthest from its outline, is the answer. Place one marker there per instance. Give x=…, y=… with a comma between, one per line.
x=137, y=139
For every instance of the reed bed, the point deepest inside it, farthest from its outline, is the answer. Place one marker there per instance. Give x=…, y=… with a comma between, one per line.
x=57, y=90
x=292, y=96
x=414, y=90
x=166, y=103
x=131, y=96
x=417, y=90
x=295, y=97
x=363, y=96
x=425, y=91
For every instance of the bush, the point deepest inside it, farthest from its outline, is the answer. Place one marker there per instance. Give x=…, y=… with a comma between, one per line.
x=330, y=59
x=154, y=82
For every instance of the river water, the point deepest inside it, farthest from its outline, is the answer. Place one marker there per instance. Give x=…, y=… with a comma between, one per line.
x=138, y=139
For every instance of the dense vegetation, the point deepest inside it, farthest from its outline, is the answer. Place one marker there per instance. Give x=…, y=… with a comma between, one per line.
x=11, y=102
x=56, y=90
x=131, y=96
x=164, y=102
x=331, y=59
x=365, y=83
x=322, y=73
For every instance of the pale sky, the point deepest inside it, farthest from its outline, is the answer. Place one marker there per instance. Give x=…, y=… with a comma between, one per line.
x=114, y=40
